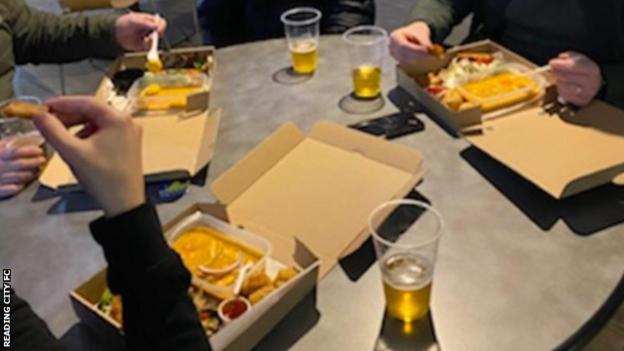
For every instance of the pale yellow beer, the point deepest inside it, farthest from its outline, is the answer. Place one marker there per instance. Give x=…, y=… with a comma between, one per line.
x=366, y=81
x=407, y=286
x=304, y=56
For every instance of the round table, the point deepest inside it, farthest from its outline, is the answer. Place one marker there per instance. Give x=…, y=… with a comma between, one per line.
x=501, y=282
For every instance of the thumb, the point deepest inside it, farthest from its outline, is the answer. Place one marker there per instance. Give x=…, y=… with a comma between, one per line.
x=57, y=135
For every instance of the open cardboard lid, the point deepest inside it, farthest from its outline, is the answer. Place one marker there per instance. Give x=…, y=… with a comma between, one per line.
x=563, y=155
x=318, y=189
x=170, y=144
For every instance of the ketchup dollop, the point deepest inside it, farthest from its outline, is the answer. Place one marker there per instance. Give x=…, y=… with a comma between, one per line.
x=234, y=308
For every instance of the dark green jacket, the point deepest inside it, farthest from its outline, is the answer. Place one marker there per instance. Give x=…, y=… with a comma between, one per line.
x=604, y=20
x=31, y=36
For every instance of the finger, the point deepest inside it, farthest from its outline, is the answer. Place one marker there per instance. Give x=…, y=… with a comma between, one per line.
x=571, y=78
x=73, y=110
x=25, y=164
x=88, y=130
x=57, y=134
x=570, y=66
x=145, y=22
x=571, y=94
x=418, y=38
x=575, y=56
x=20, y=177
x=161, y=25
x=405, y=51
x=10, y=190
x=8, y=154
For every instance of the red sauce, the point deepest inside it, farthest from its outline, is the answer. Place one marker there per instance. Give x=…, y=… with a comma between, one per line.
x=234, y=308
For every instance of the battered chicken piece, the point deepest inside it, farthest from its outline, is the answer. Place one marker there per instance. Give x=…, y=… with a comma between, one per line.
x=22, y=109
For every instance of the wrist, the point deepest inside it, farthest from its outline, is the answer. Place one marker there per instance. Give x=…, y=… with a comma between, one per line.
x=123, y=203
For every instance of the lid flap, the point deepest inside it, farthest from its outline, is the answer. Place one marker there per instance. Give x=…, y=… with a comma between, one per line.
x=562, y=154
x=229, y=185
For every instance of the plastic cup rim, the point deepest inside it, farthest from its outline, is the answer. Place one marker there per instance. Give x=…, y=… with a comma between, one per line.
x=398, y=202
x=374, y=39
x=315, y=12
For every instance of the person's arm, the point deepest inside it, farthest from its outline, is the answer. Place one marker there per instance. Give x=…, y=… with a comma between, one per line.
x=105, y=156
x=157, y=311
x=440, y=15
x=340, y=15
x=29, y=332
x=40, y=37
x=614, y=84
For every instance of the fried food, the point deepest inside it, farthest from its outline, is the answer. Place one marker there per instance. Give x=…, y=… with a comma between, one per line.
x=254, y=282
x=478, y=57
x=261, y=293
x=22, y=109
x=466, y=106
x=437, y=50
x=116, y=311
x=285, y=275
x=452, y=99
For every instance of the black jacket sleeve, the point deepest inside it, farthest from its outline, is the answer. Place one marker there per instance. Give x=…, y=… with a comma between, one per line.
x=158, y=313
x=340, y=15
x=28, y=331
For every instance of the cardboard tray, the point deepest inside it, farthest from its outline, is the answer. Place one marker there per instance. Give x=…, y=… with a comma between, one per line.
x=137, y=60
x=456, y=121
x=310, y=196
x=241, y=334
x=562, y=154
x=176, y=145
x=319, y=188
x=173, y=148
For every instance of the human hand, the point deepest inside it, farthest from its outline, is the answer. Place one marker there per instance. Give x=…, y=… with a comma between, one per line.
x=578, y=77
x=18, y=167
x=132, y=30
x=411, y=42
x=105, y=155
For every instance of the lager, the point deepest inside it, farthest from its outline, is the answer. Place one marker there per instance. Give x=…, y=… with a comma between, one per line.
x=407, y=285
x=304, y=56
x=366, y=81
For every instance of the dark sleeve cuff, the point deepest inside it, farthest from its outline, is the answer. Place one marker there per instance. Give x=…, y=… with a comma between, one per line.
x=133, y=241
x=613, y=89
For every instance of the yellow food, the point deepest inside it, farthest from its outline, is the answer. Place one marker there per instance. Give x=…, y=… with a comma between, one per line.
x=154, y=97
x=151, y=90
x=499, y=84
x=437, y=50
x=452, y=99
x=255, y=281
x=500, y=90
x=22, y=109
x=154, y=65
x=260, y=294
x=286, y=274
x=205, y=249
x=116, y=311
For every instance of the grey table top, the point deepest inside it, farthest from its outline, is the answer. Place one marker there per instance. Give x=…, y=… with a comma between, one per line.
x=502, y=282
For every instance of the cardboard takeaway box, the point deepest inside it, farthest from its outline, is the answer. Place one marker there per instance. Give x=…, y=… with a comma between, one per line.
x=562, y=153
x=457, y=121
x=175, y=145
x=310, y=196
